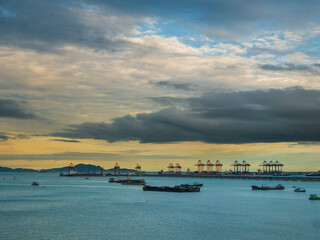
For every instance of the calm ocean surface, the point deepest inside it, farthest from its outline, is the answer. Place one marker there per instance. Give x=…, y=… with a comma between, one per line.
x=78, y=208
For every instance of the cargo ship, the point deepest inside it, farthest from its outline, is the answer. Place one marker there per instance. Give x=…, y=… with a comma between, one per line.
x=177, y=188
x=263, y=187
x=128, y=181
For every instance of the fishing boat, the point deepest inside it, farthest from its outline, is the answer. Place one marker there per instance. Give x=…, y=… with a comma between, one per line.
x=264, y=187
x=299, y=190
x=35, y=184
x=314, y=197
x=177, y=188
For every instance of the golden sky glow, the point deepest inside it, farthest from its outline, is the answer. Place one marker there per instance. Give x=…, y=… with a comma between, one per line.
x=42, y=152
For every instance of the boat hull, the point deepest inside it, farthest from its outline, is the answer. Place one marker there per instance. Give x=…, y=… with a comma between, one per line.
x=265, y=188
x=171, y=189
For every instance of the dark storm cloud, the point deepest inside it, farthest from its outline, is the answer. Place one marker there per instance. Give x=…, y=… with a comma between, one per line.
x=288, y=115
x=291, y=68
x=13, y=109
x=174, y=85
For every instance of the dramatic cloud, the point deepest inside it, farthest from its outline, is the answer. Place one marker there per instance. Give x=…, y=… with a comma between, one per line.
x=13, y=109
x=287, y=115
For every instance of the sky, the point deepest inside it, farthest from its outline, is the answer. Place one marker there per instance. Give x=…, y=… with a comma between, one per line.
x=159, y=82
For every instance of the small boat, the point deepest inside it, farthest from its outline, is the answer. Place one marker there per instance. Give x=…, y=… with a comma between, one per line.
x=312, y=174
x=263, y=187
x=35, y=184
x=87, y=178
x=314, y=197
x=177, y=188
x=299, y=190
x=112, y=180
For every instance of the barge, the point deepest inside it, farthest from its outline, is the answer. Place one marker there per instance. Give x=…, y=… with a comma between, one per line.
x=128, y=181
x=134, y=182
x=177, y=188
x=263, y=187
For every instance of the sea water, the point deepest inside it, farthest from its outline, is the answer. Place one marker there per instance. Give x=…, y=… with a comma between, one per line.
x=79, y=208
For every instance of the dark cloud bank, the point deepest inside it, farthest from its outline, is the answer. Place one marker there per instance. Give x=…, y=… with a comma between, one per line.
x=13, y=109
x=288, y=115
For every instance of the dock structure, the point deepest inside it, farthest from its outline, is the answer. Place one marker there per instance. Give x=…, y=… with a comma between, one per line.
x=116, y=169
x=170, y=168
x=71, y=169
x=209, y=166
x=245, y=167
x=271, y=167
x=218, y=165
x=138, y=169
x=236, y=167
x=178, y=168
x=240, y=168
x=200, y=167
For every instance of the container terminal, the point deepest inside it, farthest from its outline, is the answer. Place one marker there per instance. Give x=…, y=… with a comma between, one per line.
x=270, y=171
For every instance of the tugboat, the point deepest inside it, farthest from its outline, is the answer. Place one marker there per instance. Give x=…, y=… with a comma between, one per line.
x=35, y=184
x=299, y=190
x=263, y=187
x=314, y=197
x=177, y=188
